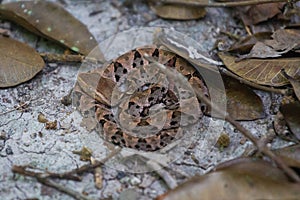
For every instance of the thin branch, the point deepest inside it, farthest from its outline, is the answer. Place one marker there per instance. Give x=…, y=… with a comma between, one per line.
x=260, y=145
x=169, y=180
x=66, y=58
x=44, y=178
x=66, y=175
x=87, y=167
x=54, y=57
x=63, y=189
x=17, y=107
x=210, y=3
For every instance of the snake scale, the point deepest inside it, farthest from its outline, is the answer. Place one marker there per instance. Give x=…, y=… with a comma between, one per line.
x=135, y=104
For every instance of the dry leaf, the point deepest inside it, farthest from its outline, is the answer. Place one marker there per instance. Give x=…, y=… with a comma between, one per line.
x=261, y=50
x=242, y=102
x=285, y=39
x=53, y=22
x=295, y=82
x=177, y=11
x=263, y=71
x=291, y=115
x=259, y=13
x=290, y=155
x=241, y=179
x=245, y=45
x=19, y=62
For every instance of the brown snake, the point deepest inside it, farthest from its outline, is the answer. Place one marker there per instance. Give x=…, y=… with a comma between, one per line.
x=138, y=106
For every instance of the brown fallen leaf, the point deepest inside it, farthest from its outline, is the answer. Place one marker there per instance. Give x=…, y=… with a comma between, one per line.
x=263, y=71
x=19, y=62
x=295, y=82
x=261, y=50
x=291, y=115
x=245, y=44
x=259, y=13
x=284, y=39
x=239, y=179
x=242, y=102
x=53, y=22
x=290, y=155
x=177, y=11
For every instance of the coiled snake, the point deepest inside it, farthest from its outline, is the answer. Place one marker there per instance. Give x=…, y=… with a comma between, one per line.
x=136, y=104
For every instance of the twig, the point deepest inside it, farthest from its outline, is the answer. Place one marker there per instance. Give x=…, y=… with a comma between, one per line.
x=44, y=178
x=26, y=172
x=17, y=107
x=53, y=57
x=65, y=58
x=260, y=145
x=209, y=3
x=169, y=180
x=96, y=164
x=63, y=189
x=67, y=175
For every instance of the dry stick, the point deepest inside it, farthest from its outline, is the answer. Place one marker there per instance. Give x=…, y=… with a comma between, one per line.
x=169, y=180
x=53, y=57
x=17, y=107
x=67, y=175
x=24, y=171
x=63, y=189
x=44, y=177
x=65, y=58
x=219, y=4
x=260, y=145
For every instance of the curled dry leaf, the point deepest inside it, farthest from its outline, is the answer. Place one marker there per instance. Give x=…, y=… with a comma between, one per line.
x=177, y=11
x=245, y=45
x=53, y=22
x=85, y=153
x=241, y=179
x=261, y=50
x=285, y=39
x=19, y=62
x=291, y=115
x=263, y=71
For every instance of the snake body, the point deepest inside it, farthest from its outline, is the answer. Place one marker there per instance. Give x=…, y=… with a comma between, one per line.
x=135, y=104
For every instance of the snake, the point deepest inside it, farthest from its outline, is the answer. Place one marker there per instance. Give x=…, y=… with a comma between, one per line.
x=137, y=105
